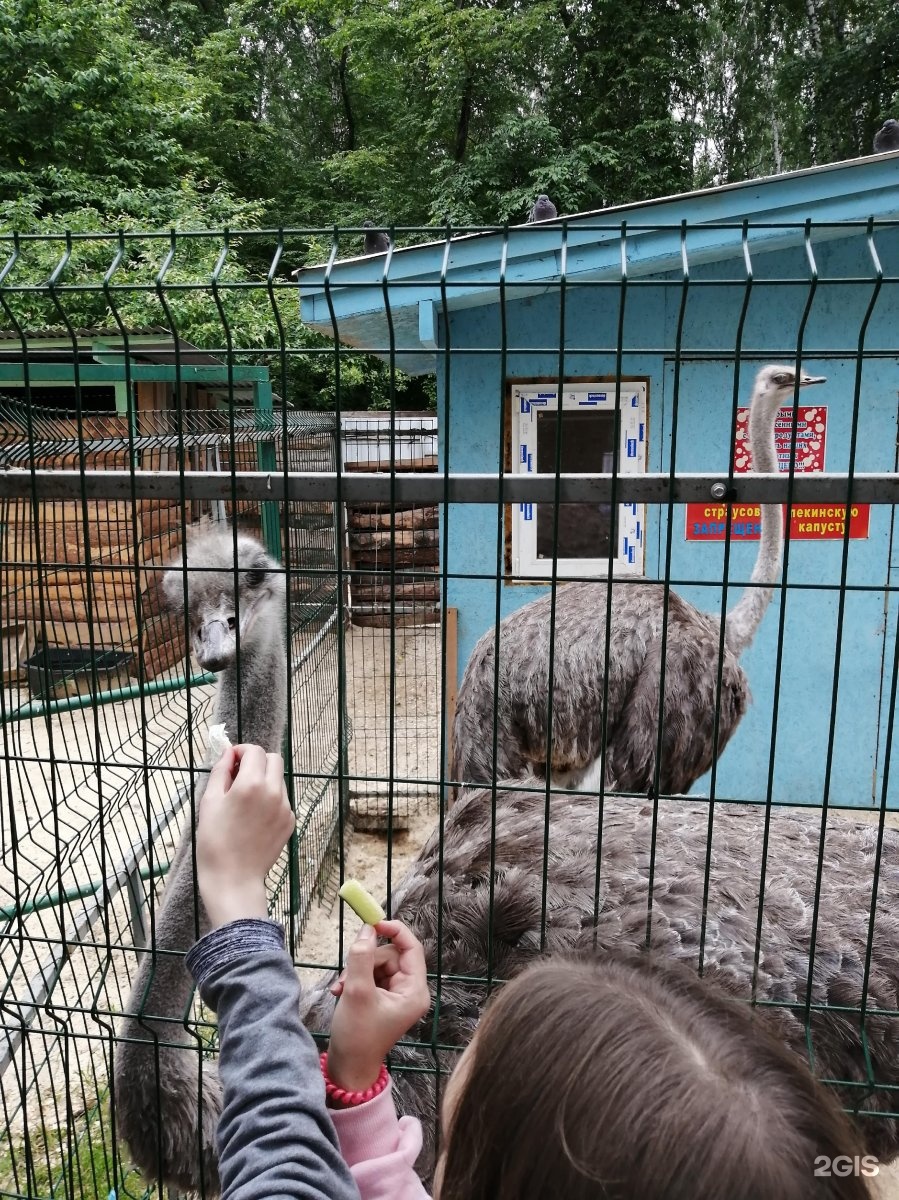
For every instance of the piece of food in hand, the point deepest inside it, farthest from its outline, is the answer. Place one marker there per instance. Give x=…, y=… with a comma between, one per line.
x=362, y=902
x=218, y=741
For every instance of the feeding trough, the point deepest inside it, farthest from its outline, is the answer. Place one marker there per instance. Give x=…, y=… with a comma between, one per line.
x=55, y=672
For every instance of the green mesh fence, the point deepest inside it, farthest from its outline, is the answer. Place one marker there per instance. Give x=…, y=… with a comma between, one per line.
x=581, y=390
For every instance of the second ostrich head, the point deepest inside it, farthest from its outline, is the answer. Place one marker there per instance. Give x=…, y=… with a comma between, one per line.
x=774, y=386
x=225, y=592
x=775, y=382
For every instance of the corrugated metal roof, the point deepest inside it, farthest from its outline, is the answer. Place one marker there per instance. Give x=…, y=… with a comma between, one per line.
x=53, y=343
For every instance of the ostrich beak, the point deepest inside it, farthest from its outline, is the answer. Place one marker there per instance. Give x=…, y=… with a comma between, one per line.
x=214, y=644
x=807, y=380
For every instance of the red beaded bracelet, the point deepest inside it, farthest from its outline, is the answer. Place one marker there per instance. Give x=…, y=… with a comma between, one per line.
x=339, y=1097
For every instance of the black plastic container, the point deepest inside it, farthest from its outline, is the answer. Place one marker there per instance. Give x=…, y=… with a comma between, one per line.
x=56, y=672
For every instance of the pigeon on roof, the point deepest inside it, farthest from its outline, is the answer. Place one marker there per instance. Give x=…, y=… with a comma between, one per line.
x=887, y=137
x=543, y=210
x=375, y=241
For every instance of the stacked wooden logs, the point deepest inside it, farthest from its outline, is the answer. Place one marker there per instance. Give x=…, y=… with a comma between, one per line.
x=394, y=557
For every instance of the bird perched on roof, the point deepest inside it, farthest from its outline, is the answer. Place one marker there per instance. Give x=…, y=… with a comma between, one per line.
x=887, y=137
x=375, y=241
x=543, y=210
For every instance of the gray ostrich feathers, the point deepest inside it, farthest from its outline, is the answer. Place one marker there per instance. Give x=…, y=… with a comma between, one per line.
x=374, y=242
x=571, y=753
x=887, y=137
x=158, y=1076
x=597, y=903
x=543, y=210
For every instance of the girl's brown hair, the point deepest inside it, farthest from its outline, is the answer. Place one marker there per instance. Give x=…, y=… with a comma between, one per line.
x=638, y=1081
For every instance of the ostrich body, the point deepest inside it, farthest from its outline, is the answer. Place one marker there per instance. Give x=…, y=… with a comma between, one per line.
x=582, y=919
x=572, y=754
x=374, y=241
x=543, y=210
x=169, y=1133
x=887, y=137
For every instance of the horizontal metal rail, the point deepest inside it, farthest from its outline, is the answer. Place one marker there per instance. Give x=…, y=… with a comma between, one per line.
x=429, y=488
x=43, y=708
x=12, y=912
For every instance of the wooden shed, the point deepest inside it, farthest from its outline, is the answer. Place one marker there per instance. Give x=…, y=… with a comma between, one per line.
x=85, y=574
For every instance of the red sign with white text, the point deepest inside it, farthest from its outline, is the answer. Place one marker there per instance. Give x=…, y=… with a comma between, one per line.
x=808, y=522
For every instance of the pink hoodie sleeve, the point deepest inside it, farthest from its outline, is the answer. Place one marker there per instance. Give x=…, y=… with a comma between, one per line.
x=380, y=1149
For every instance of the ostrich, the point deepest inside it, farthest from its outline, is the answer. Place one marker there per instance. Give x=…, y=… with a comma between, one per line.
x=571, y=754
x=493, y=917
x=543, y=210
x=158, y=1073
x=374, y=241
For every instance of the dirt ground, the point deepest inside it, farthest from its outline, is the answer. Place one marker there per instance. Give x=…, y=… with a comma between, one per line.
x=367, y=861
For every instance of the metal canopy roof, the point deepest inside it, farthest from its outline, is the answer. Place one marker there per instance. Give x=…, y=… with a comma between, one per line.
x=146, y=343
x=417, y=284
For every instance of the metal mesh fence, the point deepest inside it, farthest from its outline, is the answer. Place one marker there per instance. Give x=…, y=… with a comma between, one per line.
x=103, y=732
x=394, y=637
x=591, y=384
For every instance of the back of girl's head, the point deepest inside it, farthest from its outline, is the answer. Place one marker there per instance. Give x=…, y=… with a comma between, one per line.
x=636, y=1081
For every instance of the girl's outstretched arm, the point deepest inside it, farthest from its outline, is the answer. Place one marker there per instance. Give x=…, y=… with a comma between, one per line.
x=275, y=1137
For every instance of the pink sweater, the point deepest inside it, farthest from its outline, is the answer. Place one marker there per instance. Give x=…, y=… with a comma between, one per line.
x=380, y=1149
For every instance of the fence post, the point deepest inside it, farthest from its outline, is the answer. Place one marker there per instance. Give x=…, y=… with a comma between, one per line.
x=267, y=461
x=139, y=936
x=451, y=668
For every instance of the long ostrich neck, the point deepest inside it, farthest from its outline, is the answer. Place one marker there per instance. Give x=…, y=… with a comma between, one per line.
x=163, y=987
x=168, y=1104
x=745, y=617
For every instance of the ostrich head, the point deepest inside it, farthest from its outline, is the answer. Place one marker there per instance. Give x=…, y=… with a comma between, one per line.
x=775, y=385
x=223, y=590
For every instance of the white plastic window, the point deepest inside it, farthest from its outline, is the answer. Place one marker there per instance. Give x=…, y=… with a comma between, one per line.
x=582, y=538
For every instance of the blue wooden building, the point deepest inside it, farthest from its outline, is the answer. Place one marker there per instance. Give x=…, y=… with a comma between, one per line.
x=665, y=310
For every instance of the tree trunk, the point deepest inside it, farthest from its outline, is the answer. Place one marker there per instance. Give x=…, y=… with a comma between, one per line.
x=464, y=121
x=345, y=97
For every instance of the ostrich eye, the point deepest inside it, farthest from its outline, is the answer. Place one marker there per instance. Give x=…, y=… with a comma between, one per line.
x=255, y=576
x=782, y=380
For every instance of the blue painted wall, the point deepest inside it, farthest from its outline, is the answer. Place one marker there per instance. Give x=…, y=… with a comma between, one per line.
x=706, y=327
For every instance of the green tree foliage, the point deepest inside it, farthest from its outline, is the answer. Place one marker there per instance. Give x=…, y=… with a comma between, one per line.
x=307, y=114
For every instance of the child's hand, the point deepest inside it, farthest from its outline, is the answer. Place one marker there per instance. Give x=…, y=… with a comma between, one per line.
x=382, y=993
x=244, y=823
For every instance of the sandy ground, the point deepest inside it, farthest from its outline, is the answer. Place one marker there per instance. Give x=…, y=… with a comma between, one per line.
x=367, y=861
x=67, y=825
x=396, y=744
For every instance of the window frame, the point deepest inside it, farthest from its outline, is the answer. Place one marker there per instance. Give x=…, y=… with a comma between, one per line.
x=631, y=399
